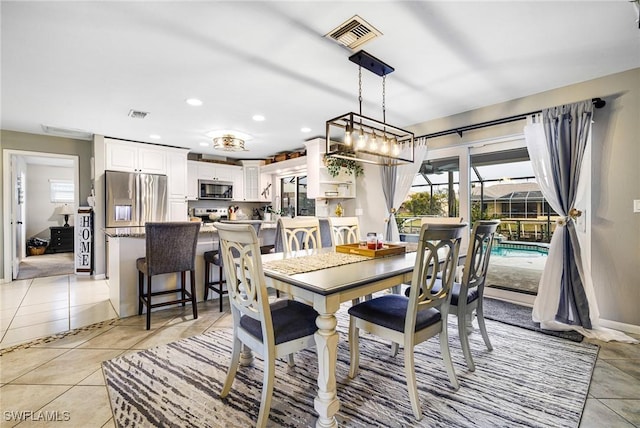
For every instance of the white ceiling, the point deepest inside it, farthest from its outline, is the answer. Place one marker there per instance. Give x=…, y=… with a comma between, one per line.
x=84, y=65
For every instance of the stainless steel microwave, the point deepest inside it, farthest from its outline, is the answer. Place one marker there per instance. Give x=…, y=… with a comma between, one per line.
x=213, y=189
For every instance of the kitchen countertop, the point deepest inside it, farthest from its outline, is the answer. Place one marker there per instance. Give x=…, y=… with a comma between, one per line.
x=138, y=232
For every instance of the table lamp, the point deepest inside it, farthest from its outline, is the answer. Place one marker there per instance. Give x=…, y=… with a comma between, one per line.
x=66, y=211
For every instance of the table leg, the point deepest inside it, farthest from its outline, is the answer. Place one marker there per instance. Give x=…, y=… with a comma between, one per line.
x=326, y=403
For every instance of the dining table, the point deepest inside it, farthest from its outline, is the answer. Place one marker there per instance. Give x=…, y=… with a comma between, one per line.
x=325, y=279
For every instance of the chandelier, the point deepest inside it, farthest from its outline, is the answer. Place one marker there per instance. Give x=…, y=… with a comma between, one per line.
x=229, y=143
x=364, y=139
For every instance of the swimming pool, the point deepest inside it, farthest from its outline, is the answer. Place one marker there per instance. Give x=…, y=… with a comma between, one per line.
x=512, y=249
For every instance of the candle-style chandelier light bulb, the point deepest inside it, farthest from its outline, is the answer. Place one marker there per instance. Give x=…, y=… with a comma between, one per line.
x=395, y=147
x=362, y=138
x=347, y=136
x=374, y=140
x=373, y=144
x=384, y=149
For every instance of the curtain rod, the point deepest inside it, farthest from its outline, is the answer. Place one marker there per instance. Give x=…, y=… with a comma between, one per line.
x=597, y=103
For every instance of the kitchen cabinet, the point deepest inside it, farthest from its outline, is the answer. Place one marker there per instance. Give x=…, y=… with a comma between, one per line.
x=62, y=239
x=219, y=172
x=255, y=182
x=320, y=184
x=212, y=171
x=135, y=157
x=177, y=173
x=178, y=210
x=177, y=184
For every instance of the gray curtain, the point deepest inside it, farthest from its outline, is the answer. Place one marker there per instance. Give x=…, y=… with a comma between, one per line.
x=389, y=188
x=567, y=130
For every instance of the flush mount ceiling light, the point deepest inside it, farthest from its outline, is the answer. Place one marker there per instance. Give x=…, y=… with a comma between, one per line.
x=229, y=143
x=360, y=138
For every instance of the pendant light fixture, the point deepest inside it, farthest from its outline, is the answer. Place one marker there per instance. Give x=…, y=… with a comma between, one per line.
x=364, y=139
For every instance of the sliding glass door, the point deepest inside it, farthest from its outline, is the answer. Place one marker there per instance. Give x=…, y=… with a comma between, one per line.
x=490, y=181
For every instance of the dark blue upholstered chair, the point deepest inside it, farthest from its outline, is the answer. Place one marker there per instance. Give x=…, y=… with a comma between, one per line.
x=170, y=247
x=420, y=316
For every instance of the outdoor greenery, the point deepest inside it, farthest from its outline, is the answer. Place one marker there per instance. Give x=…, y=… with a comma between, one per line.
x=422, y=204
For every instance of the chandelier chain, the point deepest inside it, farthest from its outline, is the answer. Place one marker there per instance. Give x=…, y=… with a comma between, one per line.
x=384, y=105
x=360, y=88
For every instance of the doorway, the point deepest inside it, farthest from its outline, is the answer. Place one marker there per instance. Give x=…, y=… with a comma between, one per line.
x=33, y=202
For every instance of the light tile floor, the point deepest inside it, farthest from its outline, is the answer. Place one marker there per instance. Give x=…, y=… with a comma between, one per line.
x=63, y=374
x=33, y=308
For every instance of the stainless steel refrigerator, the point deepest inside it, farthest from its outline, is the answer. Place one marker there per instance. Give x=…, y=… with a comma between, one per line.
x=132, y=199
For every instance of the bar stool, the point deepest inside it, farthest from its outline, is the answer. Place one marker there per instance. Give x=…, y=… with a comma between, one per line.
x=212, y=258
x=170, y=247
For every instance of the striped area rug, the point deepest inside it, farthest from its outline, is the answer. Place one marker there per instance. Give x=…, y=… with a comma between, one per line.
x=528, y=380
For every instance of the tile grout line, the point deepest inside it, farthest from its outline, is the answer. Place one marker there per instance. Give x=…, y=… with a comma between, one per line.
x=13, y=317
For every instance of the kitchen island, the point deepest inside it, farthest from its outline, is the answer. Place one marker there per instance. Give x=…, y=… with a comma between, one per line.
x=126, y=245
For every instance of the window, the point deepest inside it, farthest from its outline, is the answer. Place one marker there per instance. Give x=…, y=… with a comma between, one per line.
x=294, y=197
x=61, y=190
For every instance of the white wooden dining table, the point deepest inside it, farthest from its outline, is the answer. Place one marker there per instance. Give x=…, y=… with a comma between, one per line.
x=326, y=289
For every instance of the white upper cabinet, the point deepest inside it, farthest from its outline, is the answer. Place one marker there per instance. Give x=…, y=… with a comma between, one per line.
x=255, y=183
x=135, y=157
x=213, y=171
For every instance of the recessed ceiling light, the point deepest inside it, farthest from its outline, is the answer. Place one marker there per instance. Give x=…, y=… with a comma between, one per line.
x=258, y=117
x=194, y=102
x=305, y=129
x=204, y=144
x=155, y=136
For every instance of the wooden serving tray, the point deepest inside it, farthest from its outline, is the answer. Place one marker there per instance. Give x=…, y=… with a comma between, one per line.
x=386, y=250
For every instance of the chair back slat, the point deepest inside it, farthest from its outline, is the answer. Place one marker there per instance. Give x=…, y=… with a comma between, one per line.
x=240, y=251
x=171, y=246
x=344, y=230
x=300, y=233
x=479, y=253
x=436, y=261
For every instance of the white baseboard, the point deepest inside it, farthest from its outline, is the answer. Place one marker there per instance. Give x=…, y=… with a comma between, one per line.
x=615, y=325
x=510, y=296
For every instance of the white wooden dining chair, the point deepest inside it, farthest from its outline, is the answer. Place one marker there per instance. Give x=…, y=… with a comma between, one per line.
x=344, y=230
x=420, y=316
x=300, y=233
x=474, y=273
x=270, y=330
x=472, y=286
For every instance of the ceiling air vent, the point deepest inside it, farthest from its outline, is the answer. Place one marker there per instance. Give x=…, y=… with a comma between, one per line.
x=353, y=33
x=136, y=114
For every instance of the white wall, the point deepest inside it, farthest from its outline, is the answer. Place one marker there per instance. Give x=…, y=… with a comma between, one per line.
x=41, y=213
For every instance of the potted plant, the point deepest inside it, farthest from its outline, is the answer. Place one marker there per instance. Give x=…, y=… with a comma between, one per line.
x=269, y=213
x=334, y=165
